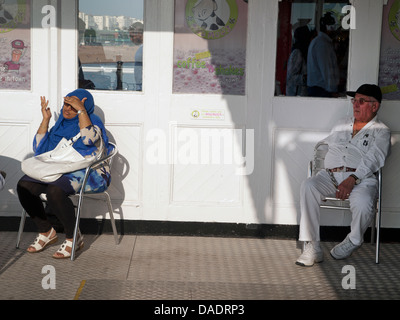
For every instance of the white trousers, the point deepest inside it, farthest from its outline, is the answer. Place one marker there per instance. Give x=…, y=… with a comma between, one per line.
x=362, y=205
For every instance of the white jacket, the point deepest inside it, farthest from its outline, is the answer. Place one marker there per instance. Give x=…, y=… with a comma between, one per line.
x=366, y=151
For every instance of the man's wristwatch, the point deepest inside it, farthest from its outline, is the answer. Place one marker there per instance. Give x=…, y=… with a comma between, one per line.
x=358, y=180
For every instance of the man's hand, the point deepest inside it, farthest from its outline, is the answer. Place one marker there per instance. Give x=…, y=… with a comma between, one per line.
x=344, y=189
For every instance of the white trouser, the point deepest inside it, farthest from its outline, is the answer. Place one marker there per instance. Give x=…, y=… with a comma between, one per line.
x=362, y=205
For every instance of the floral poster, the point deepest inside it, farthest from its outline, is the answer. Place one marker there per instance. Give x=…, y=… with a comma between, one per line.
x=15, y=45
x=389, y=71
x=210, y=46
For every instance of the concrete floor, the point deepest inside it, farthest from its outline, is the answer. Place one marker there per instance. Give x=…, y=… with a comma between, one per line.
x=193, y=268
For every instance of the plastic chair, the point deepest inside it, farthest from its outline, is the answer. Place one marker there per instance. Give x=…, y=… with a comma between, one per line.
x=81, y=195
x=317, y=165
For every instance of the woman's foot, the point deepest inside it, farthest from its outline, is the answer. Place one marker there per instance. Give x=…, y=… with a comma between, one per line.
x=42, y=241
x=66, y=248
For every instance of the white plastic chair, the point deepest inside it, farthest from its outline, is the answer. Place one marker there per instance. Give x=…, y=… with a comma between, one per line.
x=317, y=164
x=81, y=195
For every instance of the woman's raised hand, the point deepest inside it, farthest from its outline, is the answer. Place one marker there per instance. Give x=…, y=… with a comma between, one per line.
x=75, y=102
x=45, y=109
x=79, y=107
x=44, y=125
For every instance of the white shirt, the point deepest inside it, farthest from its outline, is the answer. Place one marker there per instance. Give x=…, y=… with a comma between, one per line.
x=366, y=151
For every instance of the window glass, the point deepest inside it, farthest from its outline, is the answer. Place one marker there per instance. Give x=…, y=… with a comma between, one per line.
x=110, y=49
x=15, y=45
x=313, y=47
x=210, y=46
x=389, y=79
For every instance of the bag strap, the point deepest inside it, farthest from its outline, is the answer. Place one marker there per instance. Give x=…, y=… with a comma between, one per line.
x=101, y=148
x=71, y=141
x=74, y=139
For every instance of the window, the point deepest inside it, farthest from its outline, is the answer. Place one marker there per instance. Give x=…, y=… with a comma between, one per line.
x=210, y=46
x=110, y=49
x=389, y=79
x=15, y=45
x=313, y=47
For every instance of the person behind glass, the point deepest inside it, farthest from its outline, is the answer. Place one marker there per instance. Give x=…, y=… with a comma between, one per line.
x=2, y=179
x=357, y=148
x=136, y=35
x=296, y=79
x=323, y=75
x=76, y=116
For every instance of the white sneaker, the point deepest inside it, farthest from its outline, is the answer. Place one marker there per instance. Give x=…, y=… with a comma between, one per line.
x=343, y=249
x=312, y=253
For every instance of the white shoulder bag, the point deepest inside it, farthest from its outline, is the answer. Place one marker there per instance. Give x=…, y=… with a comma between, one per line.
x=51, y=165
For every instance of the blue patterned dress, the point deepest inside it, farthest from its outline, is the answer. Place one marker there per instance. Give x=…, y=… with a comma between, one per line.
x=99, y=179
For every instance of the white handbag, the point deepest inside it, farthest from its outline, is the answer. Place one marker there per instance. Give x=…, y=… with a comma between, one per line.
x=51, y=165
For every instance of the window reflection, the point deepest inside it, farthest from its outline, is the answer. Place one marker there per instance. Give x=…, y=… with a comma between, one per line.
x=110, y=49
x=312, y=57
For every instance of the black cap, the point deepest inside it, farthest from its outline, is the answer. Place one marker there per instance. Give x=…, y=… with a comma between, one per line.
x=369, y=90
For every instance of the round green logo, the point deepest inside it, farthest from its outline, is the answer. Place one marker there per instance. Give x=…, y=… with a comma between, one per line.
x=211, y=19
x=394, y=19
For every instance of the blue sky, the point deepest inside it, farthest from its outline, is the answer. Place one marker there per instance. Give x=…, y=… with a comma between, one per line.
x=130, y=8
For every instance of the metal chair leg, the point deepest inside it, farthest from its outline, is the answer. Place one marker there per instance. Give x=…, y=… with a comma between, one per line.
x=78, y=215
x=379, y=217
x=110, y=210
x=378, y=231
x=21, y=227
x=373, y=226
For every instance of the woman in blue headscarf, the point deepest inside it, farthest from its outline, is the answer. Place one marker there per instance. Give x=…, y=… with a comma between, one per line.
x=76, y=116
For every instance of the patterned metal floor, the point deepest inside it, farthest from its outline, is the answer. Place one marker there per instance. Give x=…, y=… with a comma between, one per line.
x=194, y=268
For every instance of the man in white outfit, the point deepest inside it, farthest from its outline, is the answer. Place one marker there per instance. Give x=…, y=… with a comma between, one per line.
x=358, y=147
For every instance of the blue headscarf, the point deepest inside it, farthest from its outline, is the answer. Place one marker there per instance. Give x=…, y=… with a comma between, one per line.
x=68, y=128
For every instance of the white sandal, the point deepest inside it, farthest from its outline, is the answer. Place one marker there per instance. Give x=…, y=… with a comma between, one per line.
x=46, y=241
x=67, y=243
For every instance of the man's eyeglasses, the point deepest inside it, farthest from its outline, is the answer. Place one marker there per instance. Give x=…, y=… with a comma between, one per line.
x=361, y=101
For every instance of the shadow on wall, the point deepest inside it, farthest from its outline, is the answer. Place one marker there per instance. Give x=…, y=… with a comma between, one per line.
x=8, y=196
x=119, y=171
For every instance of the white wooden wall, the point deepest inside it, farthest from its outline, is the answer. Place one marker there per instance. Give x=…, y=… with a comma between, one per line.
x=285, y=129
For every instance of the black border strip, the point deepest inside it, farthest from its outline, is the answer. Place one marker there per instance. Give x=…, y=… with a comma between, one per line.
x=200, y=229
